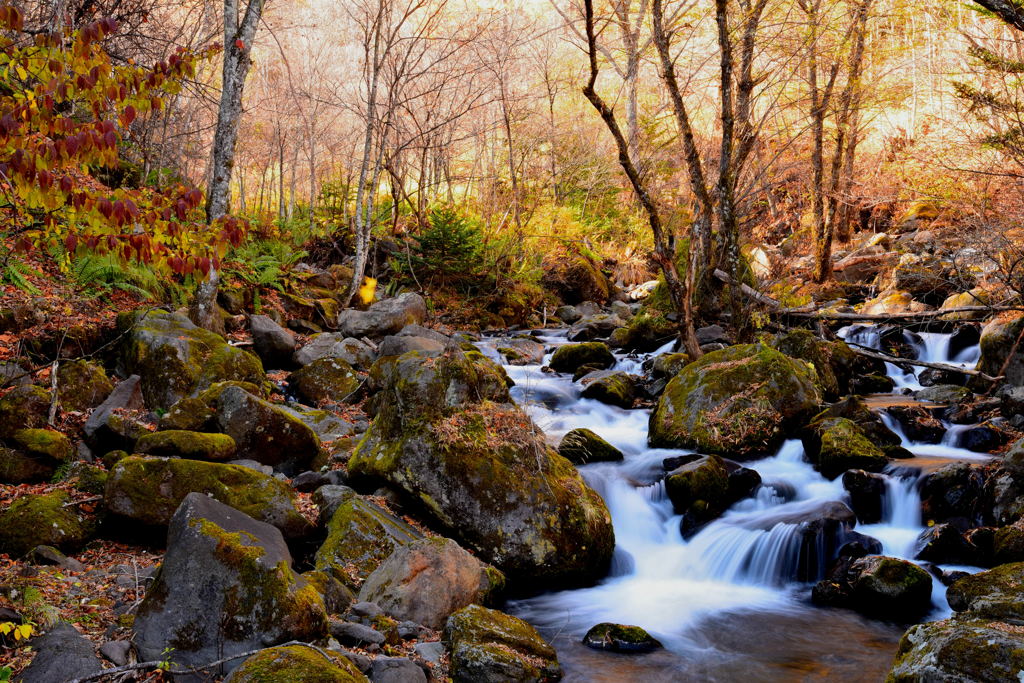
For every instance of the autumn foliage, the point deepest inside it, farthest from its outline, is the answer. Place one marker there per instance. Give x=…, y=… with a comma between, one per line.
x=64, y=109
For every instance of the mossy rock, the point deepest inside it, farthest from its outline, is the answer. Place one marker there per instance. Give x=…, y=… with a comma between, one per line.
x=574, y=278
x=891, y=588
x=739, y=402
x=669, y=364
x=959, y=649
x=176, y=443
x=325, y=380
x=24, y=407
x=992, y=594
x=88, y=478
x=834, y=362
x=488, y=646
x=582, y=446
x=46, y=444
x=998, y=339
x=870, y=424
x=42, y=519
x=644, y=332
x=974, y=297
x=620, y=638
x=148, y=490
x=569, y=357
x=360, y=536
x=226, y=586
x=700, y=486
x=446, y=436
x=190, y=414
x=175, y=358
x=296, y=664
x=20, y=468
x=82, y=385
x=612, y=388
x=836, y=444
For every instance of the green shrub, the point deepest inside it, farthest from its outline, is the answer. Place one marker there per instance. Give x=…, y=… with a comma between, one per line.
x=449, y=250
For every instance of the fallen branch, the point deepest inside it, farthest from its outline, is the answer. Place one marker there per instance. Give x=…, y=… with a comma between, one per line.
x=73, y=503
x=871, y=353
x=157, y=664
x=747, y=290
x=803, y=312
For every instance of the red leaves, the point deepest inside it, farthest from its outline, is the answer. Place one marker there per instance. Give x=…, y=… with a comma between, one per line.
x=240, y=45
x=11, y=18
x=128, y=115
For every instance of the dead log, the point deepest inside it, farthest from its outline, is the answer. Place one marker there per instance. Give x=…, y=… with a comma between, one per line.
x=878, y=355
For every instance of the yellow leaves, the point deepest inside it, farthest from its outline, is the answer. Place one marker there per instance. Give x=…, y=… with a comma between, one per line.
x=20, y=631
x=367, y=291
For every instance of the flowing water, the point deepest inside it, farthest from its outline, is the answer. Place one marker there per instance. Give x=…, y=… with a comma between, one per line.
x=732, y=601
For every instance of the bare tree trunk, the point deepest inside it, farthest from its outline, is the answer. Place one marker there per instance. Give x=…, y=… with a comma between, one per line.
x=664, y=254
x=238, y=37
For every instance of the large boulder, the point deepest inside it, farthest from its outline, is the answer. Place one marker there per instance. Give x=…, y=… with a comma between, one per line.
x=226, y=586
x=698, y=489
x=446, y=436
x=356, y=353
x=273, y=344
x=487, y=646
x=836, y=444
x=954, y=491
x=890, y=588
x=958, y=650
x=834, y=362
x=174, y=358
x=360, y=536
x=384, y=317
x=114, y=424
x=521, y=351
x=23, y=407
x=614, y=388
x=998, y=339
x=427, y=580
x=739, y=402
x=328, y=380
x=570, y=357
x=263, y=431
x=296, y=664
x=574, y=278
x=993, y=594
x=36, y=456
x=149, y=490
x=43, y=519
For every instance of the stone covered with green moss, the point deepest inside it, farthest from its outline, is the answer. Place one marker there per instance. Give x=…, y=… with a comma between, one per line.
x=644, y=332
x=834, y=362
x=699, y=487
x=82, y=385
x=836, y=444
x=18, y=468
x=620, y=638
x=43, y=443
x=870, y=424
x=569, y=357
x=296, y=664
x=42, y=519
x=175, y=358
x=23, y=407
x=226, y=586
x=360, y=535
x=669, y=364
x=488, y=646
x=998, y=341
x=613, y=388
x=891, y=588
x=959, y=649
x=325, y=380
x=447, y=436
x=581, y=446
x=740, y=402
x=179, y=443
x=992, y=594
x=148, y=490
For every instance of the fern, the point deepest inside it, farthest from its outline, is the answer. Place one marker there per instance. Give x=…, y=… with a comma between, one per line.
x=16, y=273
x=102, y=274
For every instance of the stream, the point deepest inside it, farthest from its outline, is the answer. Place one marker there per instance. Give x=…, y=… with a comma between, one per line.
x=733, y=601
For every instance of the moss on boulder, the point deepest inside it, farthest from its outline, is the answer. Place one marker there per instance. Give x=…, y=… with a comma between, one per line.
x=148, y=490
x=177, y=443
x=620, y=638
x=959, y=649
x=613, y=388
x=82, y=385
x=581, y=446
x=360, y=536
x=739, y=402
x=992, y=594
x=446, y=436
x=296, y=664
x=891, y=588
x=24, y=407
x=175, y=358
x=18, y=468
x=834, y=362
x=43, y=443
x=699, y=487
x=836, y=444
x=488, y=646
x=572, y=356
x=998, y=340
x=325, y=380
x=42, y=519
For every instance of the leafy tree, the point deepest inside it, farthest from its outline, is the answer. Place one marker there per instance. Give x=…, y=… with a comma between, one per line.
x=65, y=108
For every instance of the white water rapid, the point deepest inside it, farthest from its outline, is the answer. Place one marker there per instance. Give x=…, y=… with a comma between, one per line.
x=731, y=601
